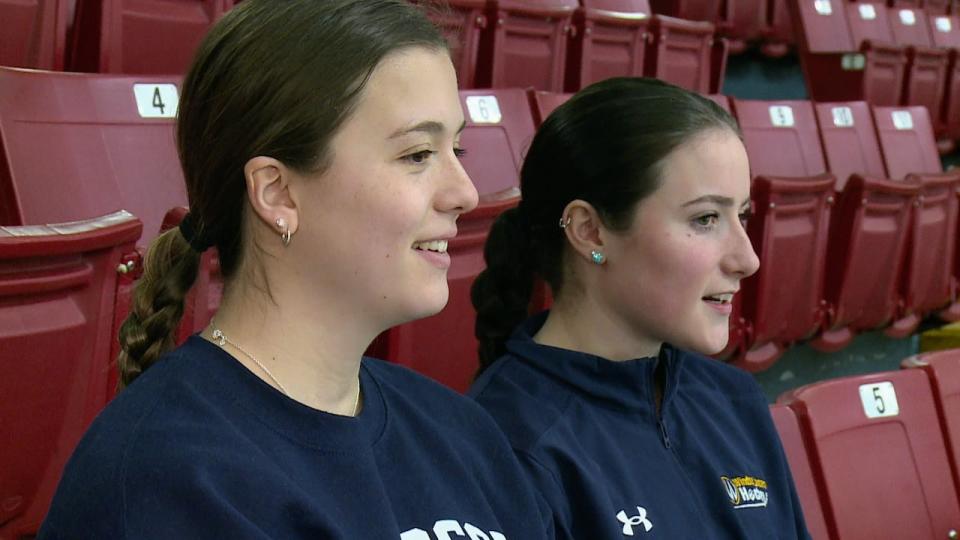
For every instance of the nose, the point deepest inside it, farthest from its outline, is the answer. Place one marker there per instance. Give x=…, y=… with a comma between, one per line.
x=741, y=260
x=458, y=195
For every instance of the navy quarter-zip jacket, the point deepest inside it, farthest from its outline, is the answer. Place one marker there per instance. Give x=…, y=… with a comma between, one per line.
x=586, y=430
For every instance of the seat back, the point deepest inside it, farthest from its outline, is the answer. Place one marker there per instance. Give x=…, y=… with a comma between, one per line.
x=544, y=103
x=906, y=141
x=781, y=137
x=910, y=26
x=682, y=53
x=141, y=36
x=788, y=427
x=849, y=140
x=943, y=368
x=75, y=146
x=529, y=46
x=877, y=440
x=462, y=22
x=823, y=26
x=58, y=287
x=610, y=41
x=869, y=21
x=34, y=33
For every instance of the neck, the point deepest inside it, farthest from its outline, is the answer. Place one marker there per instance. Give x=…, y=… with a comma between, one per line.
x=582, y=324
x=314, y=356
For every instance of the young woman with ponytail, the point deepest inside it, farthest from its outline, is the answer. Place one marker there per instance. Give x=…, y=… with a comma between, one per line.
x=319, y=141
x=634, y=194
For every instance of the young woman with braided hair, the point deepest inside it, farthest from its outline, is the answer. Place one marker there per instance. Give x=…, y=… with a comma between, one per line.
x=634, y=194
x=319, y=142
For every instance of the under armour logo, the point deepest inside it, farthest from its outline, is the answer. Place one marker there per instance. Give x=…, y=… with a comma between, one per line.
x=629, y=522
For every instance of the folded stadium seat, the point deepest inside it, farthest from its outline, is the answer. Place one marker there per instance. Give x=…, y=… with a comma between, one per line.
x=687, y=54
x=936, y=7
x=462, y=21
x=34, y=33
x=58, y=286
x=927, y=65
x=742, y=21
x=140, y=36
x=843, y=61
x=868, y=227
x=943, y=368
x=791, y=194
x=691, y=10
x=909, y=153
x=610, y=41
x=881, y=456
x=74, y=146
x=543, y=103
x=722, y=101
x=945, y=33
x=788, y=427
x=497, y=134
x=528, y=44
x=777, y=35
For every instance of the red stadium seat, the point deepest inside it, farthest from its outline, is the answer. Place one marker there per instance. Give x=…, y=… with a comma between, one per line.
x=927, y=67
x=722, y=101
x=58, y=289
x=868, y=227
x=498, y=131
x=743, y=21
x=691, y=10
x=778, y=35
x=76, y=146
x=788, y=427
x=847, y=52
x=936, y=7
x=543, y=103
x=610, y=41
x=945, y=32
x=791, y=194
x=686, y=54
x=943, y=368
x=909, y=151
x=463, y=21
x=140, y=36
x=883, y=464
x=34, y=33
x=529, y=44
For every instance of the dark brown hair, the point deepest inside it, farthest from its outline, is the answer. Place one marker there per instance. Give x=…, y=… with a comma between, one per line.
x=273, y=78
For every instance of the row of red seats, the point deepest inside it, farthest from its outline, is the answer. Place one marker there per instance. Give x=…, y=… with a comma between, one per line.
x=877, y=456
x=739, y=21
x=548, y=44
x=105, y=36
x=854, y=222
x=818, y=234
x=563, y=45
x=883, y=55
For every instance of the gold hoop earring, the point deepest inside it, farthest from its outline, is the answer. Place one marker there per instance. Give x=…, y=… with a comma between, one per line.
x=285, y=233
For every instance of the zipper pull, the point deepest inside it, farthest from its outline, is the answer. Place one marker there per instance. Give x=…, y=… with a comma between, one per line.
x=663, y=434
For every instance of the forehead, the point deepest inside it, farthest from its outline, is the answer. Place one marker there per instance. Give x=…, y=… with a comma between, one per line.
x=712, y=163
x=409, y=86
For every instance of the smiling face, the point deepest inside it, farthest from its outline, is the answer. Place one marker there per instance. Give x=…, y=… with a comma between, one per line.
x=672, y=274
x=375, y=224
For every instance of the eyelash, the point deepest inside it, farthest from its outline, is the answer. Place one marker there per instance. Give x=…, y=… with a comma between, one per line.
x=699, y=222
x=419, y=158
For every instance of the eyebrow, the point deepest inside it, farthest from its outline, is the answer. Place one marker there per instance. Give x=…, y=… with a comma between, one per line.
x=430, y=127
x=719, y=200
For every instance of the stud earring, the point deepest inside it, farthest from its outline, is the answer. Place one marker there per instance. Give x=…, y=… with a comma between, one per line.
x=597, y=257
x=285, y=233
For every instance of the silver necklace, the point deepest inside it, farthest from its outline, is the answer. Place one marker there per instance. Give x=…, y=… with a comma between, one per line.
x=222, y=339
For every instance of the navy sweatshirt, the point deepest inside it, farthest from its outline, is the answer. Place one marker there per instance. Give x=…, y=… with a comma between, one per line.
x=199, y=447
x=586, y=430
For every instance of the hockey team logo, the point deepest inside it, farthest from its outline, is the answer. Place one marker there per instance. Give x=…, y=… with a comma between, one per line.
x=745, y=491
x=450, y=529
x=629, y=522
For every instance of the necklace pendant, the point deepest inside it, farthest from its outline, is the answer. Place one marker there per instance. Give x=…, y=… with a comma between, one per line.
x=219, y=337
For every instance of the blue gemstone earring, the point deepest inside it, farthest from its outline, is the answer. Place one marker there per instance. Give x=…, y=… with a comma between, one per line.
x=598, y=257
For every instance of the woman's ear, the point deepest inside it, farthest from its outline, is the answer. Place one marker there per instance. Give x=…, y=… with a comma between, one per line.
x=269, y=194
x=584, y=230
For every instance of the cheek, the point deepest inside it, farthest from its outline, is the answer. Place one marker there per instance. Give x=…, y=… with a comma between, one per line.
x=673, y=273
